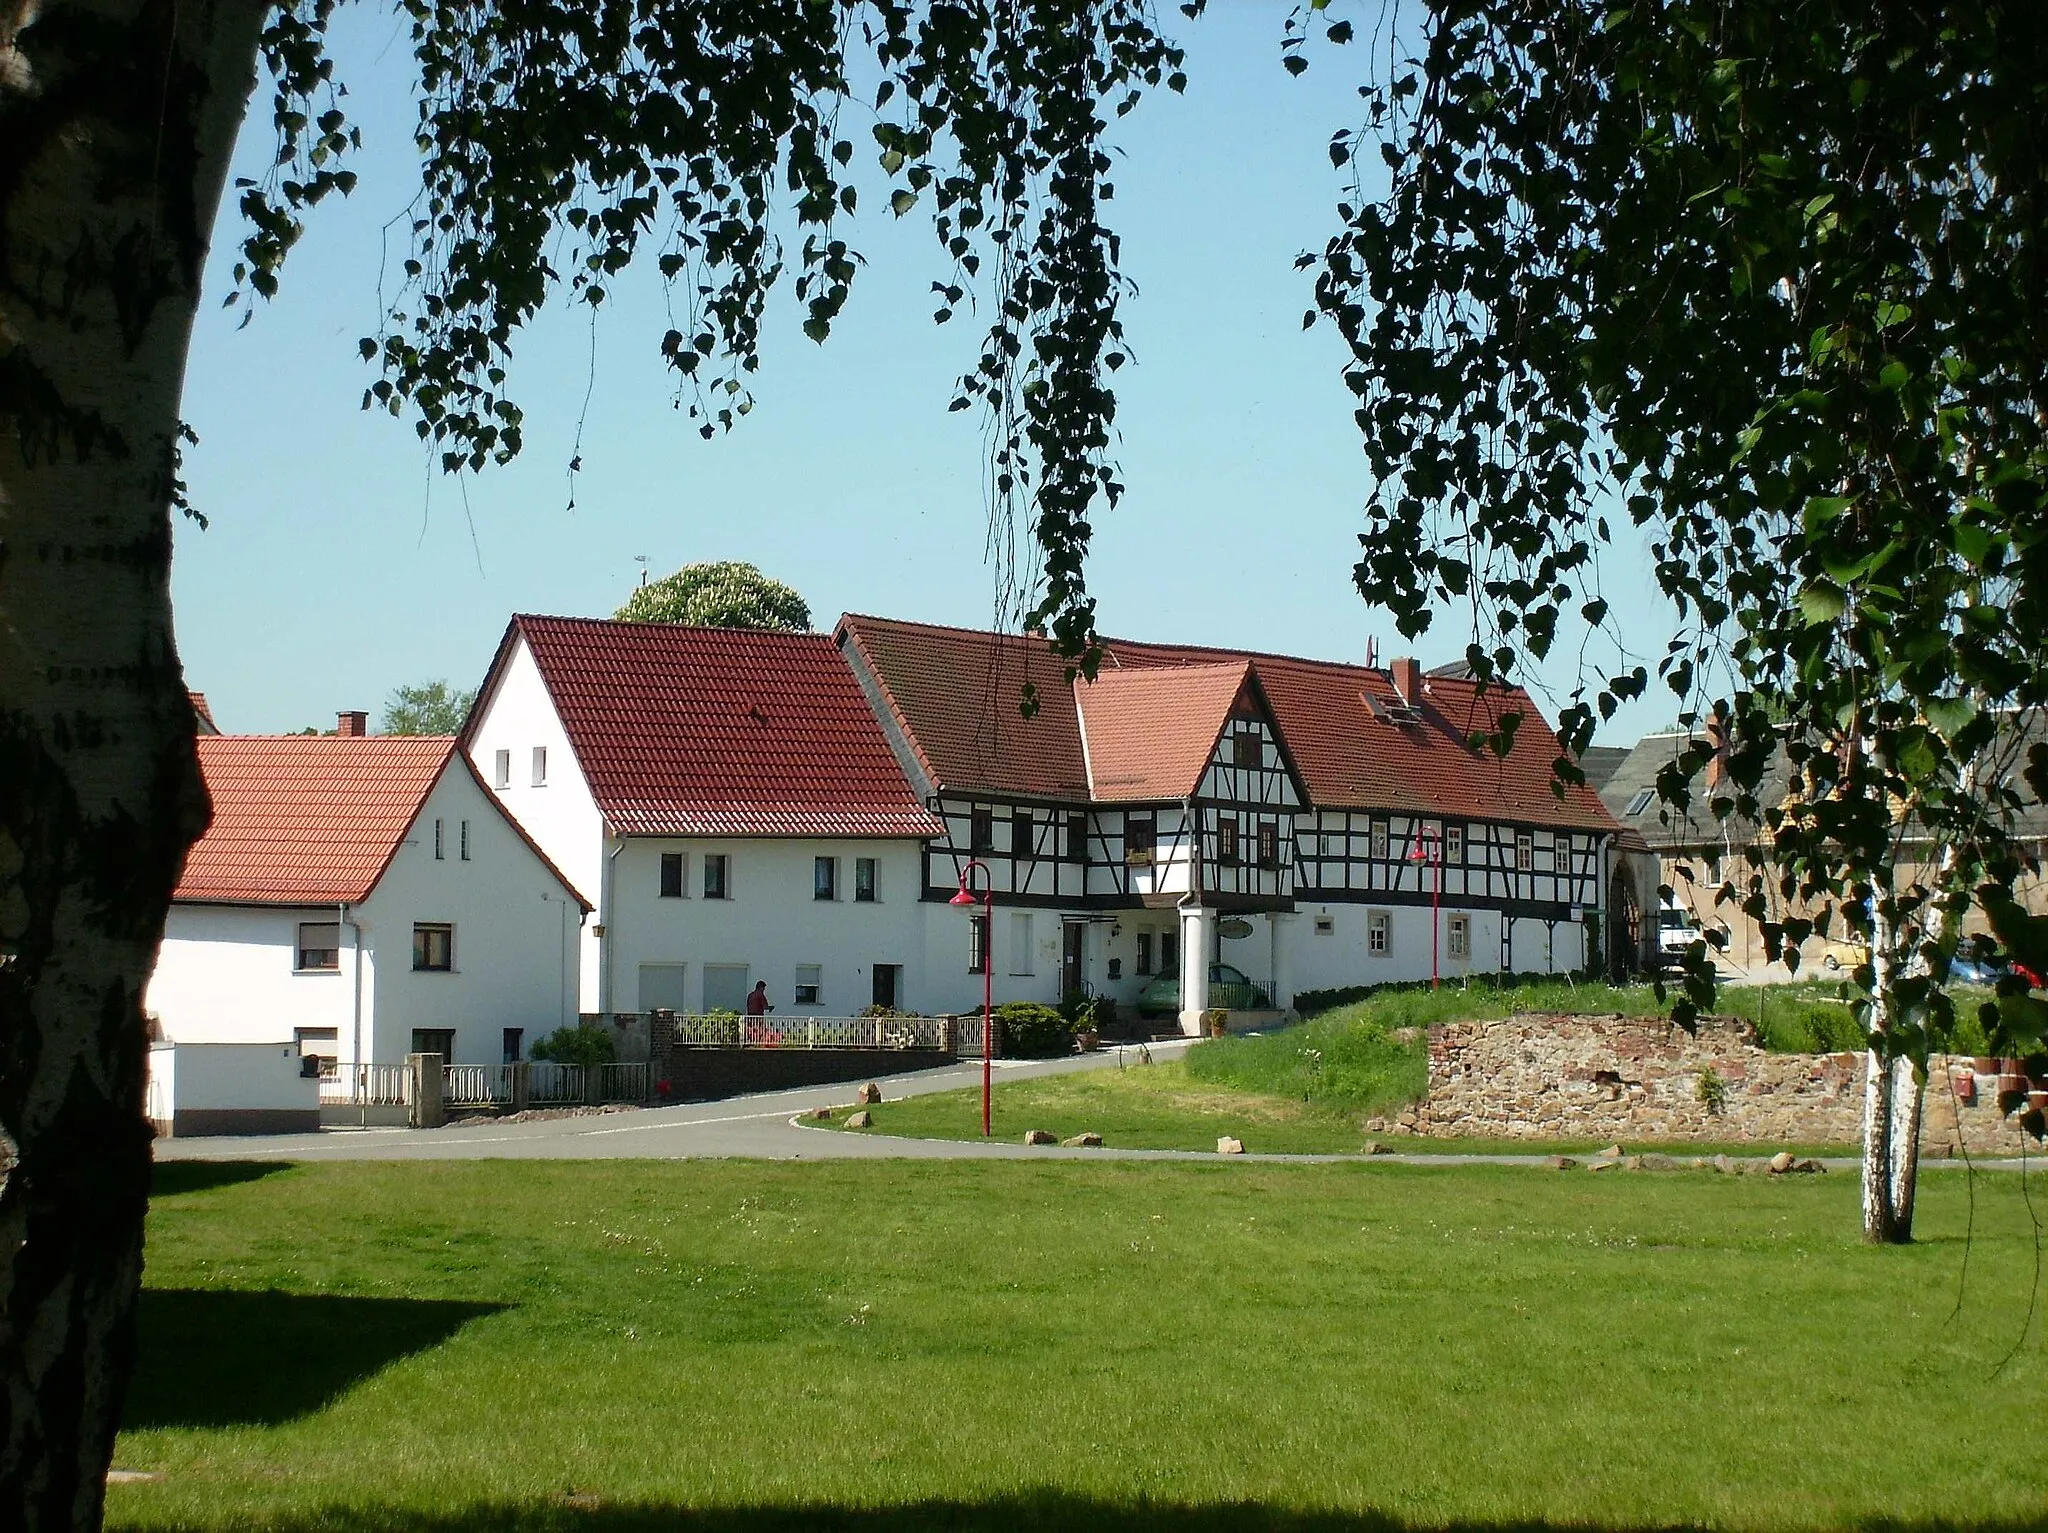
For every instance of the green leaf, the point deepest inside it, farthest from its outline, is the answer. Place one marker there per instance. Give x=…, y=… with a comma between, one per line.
x=1821, y=601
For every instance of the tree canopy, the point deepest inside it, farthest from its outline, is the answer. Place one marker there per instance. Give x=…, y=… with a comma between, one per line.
x=427, y=708
x=725, y=594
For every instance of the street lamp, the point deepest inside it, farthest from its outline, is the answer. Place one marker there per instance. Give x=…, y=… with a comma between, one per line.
x=1429, y=848
x=966, y=900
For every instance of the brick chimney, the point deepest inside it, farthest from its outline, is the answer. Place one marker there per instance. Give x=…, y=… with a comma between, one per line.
x=1408, y=680
x=1717, y=764
x=353, y=724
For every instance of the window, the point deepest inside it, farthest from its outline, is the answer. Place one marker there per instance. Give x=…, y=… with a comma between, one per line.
x=1144, y=952
x=1021, y=951
x=717, y=886
x=671, y=875
x=1244, y=749
x=433, y=947
x=977, y=944
x=1269, y=845
x=1169, y=952
x=1454, y=843
x=319, y=947
x=320, y=1043
x=1226, y=839
x=1141, y=834
x=1458, y=937
x=810, y=984
x=1022, y=843
x=434, y=1040
x=981, y=830
x=1640, y=802
x=1326, y=926
x=464, y=834
x=824, y=878
x=1525, y=852
x=1329, y=845
x=515, y=1039
x=501, y=768
x=864, y=880
x=1379, y=839
x=1377, y=931
x=540, y=766
x=1077, y=838
x=440, y=844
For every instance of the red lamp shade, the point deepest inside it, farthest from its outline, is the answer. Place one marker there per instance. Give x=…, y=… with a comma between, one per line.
x=963, y=898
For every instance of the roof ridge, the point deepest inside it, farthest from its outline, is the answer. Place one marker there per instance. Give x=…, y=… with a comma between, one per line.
x=644, y=623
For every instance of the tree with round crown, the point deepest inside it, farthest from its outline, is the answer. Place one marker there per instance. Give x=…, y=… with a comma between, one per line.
x=724, y=594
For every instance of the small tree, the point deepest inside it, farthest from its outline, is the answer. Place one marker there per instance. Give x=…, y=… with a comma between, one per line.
x=575, y=1046
x=726, y=594
x=430, y=708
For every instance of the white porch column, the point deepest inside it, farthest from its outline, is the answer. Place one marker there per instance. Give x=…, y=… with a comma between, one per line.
x=1283, y=960
x=1197, y=938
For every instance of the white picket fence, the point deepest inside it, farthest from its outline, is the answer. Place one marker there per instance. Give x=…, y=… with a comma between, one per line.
x=772, y=1032
x=364, y=1086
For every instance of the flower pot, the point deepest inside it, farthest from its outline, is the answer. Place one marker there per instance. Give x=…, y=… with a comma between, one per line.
x=1088, y=1041
x=1964, y=1085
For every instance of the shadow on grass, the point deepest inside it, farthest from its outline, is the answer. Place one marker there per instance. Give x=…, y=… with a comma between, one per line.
x=168, y=1178
x=208, y=1357
x=1033, y=1514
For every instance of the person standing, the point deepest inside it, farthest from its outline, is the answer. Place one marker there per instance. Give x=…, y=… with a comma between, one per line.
x=757, y=1000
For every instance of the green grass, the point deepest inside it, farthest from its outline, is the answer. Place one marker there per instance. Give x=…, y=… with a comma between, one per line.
x=592, y=1347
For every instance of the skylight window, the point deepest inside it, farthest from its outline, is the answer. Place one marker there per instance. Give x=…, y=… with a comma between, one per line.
x=1640, y=802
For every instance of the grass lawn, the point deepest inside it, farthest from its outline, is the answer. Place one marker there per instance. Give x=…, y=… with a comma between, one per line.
x=601, y=1346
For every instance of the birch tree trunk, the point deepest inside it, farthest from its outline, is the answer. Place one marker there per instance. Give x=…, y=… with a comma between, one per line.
x=117, y=119
x=1880, y=1097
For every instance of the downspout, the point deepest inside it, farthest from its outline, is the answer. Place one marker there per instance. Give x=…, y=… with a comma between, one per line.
x=609, y=933
x=356, y=1026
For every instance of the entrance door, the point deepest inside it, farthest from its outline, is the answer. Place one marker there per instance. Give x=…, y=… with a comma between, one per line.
x=888, y=984
x=725, y=987
x=661, y=986
x=1072, y=935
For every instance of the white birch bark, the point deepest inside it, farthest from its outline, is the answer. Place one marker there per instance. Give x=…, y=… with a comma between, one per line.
x=117, y=119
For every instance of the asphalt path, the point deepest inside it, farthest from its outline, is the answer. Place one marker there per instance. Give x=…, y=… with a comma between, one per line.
x=768, y=1126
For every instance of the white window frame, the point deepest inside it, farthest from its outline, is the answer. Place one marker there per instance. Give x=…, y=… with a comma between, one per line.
x=816, y=985
x=1454, y=843
x=1525, y=851
x=1379, y=933
x=873, y=866
x=540, y=766
x=1458, y=936
x=440, y=842
x=501, y=768
x=1326, y=926
x=1379, y=838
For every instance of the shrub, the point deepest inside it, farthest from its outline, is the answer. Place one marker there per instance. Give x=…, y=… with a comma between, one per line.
x=878, y=1010
x=1031, y=1030
x=575, y=1046
x=1089, y=1013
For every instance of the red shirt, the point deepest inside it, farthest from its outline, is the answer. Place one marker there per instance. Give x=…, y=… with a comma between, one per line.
x=757, y=1003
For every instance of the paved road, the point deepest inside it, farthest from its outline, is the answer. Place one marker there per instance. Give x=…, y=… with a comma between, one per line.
x=763, y=1127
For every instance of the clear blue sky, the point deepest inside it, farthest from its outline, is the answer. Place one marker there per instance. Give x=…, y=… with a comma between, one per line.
x=338, y=565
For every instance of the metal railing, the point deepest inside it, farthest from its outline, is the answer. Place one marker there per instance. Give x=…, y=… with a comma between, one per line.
x=363, y=1086
x=806, y=1032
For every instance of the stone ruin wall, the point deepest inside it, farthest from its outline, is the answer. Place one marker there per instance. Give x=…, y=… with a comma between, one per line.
x=1543, y=1076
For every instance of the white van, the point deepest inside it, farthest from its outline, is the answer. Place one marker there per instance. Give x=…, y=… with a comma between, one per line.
x=1677, y=930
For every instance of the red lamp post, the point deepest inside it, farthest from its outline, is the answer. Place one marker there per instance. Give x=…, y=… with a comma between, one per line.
x=1429, y=848
x=965, y=898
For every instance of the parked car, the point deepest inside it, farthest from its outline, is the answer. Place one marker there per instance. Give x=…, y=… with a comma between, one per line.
x=1677, y=930
x=1228, y=988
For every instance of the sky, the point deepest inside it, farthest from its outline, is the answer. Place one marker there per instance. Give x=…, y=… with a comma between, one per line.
x=338, y=564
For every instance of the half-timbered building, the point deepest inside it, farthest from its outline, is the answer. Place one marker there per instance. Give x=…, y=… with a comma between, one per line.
x=1310, y=823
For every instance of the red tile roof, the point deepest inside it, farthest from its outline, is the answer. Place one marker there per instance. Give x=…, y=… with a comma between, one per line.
x=720, y=731
x=1150, y=733
x=314, y=819
x=946, y=684
x=203, y=713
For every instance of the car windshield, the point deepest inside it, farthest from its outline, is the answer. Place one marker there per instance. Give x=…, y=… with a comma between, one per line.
x=1223, y=974
x=1673, y=920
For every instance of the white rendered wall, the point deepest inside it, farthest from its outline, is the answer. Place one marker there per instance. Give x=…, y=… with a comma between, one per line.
x=216, y=1077
x=1338, y=958
x=224, y=975
x=771, y=923
x=516, y=932
x=562, y=817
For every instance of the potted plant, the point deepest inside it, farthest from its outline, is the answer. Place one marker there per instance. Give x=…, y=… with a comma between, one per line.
x=1216, y=1022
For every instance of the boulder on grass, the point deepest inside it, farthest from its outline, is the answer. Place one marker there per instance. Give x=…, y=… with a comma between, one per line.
x=861, y=1120
x=1612, y=1152
x=1374, y=1147
x=1088, y=1141
x=1654, y=1162
x=821, y=1114
x=1038, y=1136
x=1560, y=1163
x=868, y=1095
x=1781, y=1162
x=1225, y=1145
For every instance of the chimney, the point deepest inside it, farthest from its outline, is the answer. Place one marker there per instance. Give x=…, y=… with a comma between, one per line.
x=353, y=724
x=1408, y=680
x=1717, y=764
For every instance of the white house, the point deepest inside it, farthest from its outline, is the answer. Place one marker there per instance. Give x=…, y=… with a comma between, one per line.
x=364, y=897
x=731, y=802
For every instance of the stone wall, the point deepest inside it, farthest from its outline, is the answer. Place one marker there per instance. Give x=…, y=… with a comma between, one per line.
x=1612, y=1077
